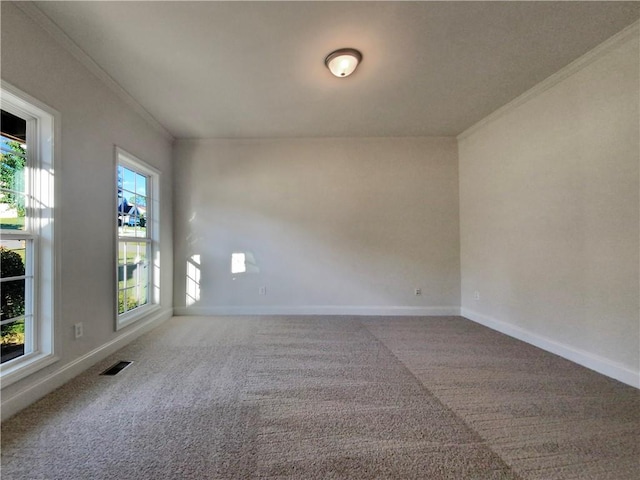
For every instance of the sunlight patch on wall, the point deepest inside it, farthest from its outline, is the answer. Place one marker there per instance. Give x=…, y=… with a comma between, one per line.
x=238, y=263
x=243, y=262
x=193, y=280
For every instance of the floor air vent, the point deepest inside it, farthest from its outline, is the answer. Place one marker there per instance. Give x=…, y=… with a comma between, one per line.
x=116, y=369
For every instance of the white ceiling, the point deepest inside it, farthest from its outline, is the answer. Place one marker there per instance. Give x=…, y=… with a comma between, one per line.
x=256, y=69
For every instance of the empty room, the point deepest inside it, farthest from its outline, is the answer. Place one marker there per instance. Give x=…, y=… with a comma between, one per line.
x=320, y=240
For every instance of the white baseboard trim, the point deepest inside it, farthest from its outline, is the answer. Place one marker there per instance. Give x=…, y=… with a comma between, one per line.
x=594, y=362
x=319, y=310
x=34, y=392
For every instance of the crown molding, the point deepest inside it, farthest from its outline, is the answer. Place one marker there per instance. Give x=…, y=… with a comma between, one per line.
x=572, y=68
x=39, y=17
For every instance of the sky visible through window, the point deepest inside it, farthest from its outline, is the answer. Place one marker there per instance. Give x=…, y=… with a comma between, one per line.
x=133, y=184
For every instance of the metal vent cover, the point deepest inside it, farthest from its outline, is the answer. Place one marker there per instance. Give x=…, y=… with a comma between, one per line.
x=117, y=368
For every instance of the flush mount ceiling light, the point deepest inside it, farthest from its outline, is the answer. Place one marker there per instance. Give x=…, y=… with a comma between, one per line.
x=343, y=62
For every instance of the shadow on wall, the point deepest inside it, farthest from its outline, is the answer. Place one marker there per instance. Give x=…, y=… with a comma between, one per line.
x=304, y=265
x=367, y=226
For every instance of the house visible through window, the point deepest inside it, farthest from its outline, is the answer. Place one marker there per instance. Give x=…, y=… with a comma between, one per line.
x=27, y=245
x=137, y=238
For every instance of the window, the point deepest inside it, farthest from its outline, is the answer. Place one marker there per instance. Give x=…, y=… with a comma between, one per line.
x=27, y=245
x=137, y=226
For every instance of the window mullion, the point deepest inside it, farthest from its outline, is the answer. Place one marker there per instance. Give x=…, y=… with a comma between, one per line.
x=13, y=279
x=16, y=235
x=30, y=175
x=9, y=190
x=135, y=239
x=14, y=319
x=32, y=291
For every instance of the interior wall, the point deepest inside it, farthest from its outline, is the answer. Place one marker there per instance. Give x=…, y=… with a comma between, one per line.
x=549, y=212
x=333, y=225
x=93, y=120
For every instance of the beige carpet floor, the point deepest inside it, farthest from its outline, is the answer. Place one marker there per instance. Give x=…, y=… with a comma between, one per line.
x=329, y=398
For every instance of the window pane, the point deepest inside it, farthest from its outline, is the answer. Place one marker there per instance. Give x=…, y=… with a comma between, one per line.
x=137, y=216
x=13, y=164
x=13, y=126
x=121, y=275
x=141, y=231
x=120, y=176
x=133, y=275
x=136, y=260
x=12, y=343
x=12, y=210
x=132, y=252
x=141, y=184
x=125, y=230
x=131, y=299
x=13, y=299
x=121, y=306
x=12, y=183
x=12, y=257
x=143, y=285
x=13, y=152
x=132, y=215
x=128, y=179
x=123, y=211
x=122, y=253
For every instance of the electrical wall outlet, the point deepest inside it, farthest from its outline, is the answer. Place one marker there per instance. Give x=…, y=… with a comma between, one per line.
x=77, y=330
x=262, y=290
x=418, y=291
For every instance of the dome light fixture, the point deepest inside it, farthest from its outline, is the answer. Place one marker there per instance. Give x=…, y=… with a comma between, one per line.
x=343, y=62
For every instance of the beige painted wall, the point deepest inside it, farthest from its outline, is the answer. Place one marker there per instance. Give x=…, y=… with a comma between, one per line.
x=335, y=225
x=549, y=211
x=93, y=121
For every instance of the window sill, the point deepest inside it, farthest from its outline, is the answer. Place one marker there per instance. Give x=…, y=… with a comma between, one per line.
x=24, y=366
x=134, y=315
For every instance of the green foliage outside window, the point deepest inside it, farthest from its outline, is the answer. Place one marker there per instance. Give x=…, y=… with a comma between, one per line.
x=12, y=166
x=131, y=302
x=12, y=297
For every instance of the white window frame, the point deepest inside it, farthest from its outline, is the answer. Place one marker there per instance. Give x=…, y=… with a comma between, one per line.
x=43, y=129
x=130, y=161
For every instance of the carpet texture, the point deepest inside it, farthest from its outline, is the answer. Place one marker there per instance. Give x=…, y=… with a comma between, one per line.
x=329, y=398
